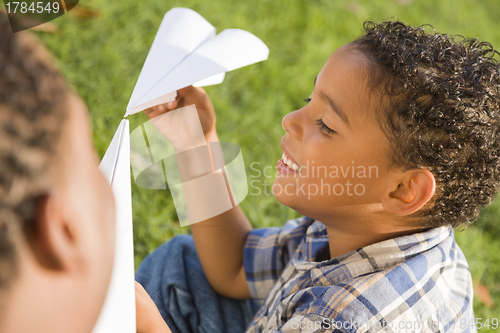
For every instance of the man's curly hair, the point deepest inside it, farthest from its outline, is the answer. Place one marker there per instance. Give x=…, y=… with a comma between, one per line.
x=444, y=113
x=33, y=97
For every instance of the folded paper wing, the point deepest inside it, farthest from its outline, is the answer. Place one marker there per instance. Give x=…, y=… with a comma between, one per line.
x=187, y=52
x=181, y=32
x=118, y=312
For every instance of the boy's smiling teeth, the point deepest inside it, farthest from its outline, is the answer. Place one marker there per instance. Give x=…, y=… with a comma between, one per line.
x=288, y=161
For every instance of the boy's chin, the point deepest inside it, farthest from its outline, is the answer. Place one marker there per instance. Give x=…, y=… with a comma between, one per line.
x=293, y=201
x=298, y=205
x=285, y=199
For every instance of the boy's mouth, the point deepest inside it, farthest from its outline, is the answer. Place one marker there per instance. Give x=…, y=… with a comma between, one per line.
x=287, y=163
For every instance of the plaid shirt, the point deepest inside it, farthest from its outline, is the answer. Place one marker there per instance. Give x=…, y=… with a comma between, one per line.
x=415, y=283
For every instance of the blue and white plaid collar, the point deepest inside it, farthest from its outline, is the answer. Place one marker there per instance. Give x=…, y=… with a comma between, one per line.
x=369, y=259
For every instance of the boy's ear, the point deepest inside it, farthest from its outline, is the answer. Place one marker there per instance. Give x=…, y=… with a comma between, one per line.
x=411, y=192
x=53, y=240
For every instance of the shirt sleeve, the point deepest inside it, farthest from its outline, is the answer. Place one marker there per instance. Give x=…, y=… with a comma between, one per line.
x=267, y=252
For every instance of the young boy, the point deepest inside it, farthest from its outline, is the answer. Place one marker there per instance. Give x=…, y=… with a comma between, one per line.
x=375, y=252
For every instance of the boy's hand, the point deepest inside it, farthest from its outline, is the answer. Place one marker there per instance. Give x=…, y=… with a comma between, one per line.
x=148, y=318
x=187, y=96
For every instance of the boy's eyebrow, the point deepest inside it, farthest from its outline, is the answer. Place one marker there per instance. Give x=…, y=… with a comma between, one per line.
x=336, y=108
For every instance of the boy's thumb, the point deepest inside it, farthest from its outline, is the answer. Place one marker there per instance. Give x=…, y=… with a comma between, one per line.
x=196, y=92
x=186, y=90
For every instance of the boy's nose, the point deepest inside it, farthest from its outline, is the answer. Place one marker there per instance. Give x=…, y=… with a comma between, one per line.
x=291, y=123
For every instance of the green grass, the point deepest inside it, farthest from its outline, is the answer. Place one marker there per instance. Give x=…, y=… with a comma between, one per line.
x=102, y=58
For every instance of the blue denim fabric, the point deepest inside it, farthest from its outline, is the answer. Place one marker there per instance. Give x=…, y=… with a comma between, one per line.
x=173, y=277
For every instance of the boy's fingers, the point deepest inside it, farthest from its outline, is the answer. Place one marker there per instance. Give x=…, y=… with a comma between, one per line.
x=152, y=112
x=157, y=110
x=196, y=92
x=185, y=91
x=173, y=104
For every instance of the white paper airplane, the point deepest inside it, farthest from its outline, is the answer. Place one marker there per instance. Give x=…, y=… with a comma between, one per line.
x=185, y=52
x=118, y=312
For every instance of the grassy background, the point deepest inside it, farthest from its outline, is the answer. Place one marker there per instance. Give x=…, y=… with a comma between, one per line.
x=102, y=58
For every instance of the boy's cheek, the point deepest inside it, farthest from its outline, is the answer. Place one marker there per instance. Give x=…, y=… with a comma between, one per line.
x=296, y=191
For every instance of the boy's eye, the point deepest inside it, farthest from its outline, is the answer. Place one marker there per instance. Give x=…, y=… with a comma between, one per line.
x=327, y=130
x=307, y=100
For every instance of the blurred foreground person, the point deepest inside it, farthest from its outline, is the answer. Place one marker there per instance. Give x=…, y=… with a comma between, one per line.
x=56, y=208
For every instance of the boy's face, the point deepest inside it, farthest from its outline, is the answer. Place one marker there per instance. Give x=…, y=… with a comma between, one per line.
x=345, y=163
x=89, y=211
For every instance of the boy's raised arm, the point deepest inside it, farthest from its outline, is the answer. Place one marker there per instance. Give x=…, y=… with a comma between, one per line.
x=219, y=240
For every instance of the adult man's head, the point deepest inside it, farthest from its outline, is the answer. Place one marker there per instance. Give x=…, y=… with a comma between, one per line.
x=56, y=208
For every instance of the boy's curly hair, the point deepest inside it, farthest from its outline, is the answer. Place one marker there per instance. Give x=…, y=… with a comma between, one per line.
x=444, y=113
x=32, y=113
